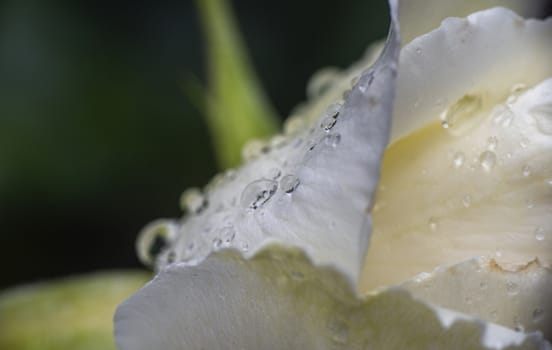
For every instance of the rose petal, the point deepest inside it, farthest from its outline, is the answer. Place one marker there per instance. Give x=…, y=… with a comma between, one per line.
x=516, y=297
x=278, y=300
x=480, y=186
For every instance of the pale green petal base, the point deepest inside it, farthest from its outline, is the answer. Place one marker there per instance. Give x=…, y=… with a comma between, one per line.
x=73, y=314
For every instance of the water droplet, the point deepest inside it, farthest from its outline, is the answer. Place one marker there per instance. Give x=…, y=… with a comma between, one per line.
x=257, y=193
x=278, y=141
x=245, y=246
x=339, y=331
x=530, y=203
x=321, y=81
x=512, y=288
x=539, y=233
x=293, y=124
x=327, y=123
x=217, y=243
x=153, y=239
x=253, y=149
x=227, y=235
x=418, y=51
x=333, y=110
x=461, y=111
x=487, y=160
x=289, y=183
x=433, y=224
x=467, y=200
x=274, y=173
x=492, y=142
x=524, y=142
x=346, y=94
x=193, y=201
x=526, y=171
x=538, y=315
x=458, y=159
x=543, y=116
x=518, y=327
x=503, y=116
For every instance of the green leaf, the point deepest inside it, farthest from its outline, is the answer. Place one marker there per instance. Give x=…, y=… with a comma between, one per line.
x=237, y=109
x=74, y=313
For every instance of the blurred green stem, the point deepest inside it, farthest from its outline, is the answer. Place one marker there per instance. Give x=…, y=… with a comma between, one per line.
x=237, y=109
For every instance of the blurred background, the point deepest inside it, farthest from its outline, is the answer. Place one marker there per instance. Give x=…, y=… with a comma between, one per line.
x=99, y=131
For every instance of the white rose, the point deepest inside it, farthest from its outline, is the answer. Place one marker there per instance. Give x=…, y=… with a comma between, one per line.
x=275, y=254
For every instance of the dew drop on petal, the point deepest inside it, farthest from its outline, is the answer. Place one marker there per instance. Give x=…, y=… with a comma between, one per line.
x=227, y=235
x=492, y=143
x=257, y=193
x=512, y=288
x=289, y=183
x=526, y=171
x=274, y=173
x=503, y=116
x=193, y=201
x=487, y=160
x=327, y=123
x=461, y=111
x=458, y=159
x=467, y=200
x=217, y=243
x=433, y=224
x=524, y=142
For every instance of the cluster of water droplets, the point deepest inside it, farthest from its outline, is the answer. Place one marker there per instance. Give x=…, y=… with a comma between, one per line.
x=221, y=201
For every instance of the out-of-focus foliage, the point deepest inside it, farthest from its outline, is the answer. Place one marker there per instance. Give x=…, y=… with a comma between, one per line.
x=236, y=108
x=75, y=313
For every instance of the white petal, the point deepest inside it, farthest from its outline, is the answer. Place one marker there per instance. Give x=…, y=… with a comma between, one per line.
x=416, y=18
x=278, y=300
x=484, y=54
x=480, y=187
x=518, y=298
x=312, y=190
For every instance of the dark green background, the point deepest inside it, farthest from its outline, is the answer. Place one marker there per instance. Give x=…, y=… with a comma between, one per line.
x=97, y=134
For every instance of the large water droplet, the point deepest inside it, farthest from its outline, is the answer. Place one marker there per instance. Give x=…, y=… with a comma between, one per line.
x=459, y=114
x=193, y=201
x=458, y=159
x=487, y=160
x=257, y=193
x=289, y=183
x=543, y=116
x=540, y=233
